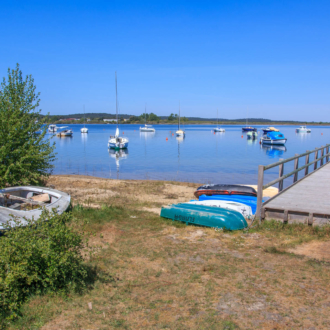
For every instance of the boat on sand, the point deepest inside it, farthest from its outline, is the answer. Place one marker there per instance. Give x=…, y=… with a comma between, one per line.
x=205, y=216
x=225, y=189
x=29, y=201
x=244, y=209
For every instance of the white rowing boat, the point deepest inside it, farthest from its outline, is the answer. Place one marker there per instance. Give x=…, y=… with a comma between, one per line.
x=28, y=202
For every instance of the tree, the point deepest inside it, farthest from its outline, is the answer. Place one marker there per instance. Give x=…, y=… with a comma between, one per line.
x=25, y=155
x=172, y=117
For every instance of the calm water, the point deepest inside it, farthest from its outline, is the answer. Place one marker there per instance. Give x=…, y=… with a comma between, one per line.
x=201, y=156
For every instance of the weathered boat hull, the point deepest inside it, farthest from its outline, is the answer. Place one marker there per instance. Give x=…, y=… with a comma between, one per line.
x=244, y=209
x=205, y=216
x=247, y=200
x=59, y=201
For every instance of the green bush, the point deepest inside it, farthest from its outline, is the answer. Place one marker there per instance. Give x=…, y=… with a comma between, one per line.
x=44, y=256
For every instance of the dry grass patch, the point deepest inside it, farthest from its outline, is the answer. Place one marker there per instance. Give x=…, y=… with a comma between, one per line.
x=159, y=274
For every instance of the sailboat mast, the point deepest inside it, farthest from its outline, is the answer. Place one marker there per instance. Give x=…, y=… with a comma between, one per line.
x=84, y=115
x=217, y=118
x=116, y=99
x=145, y=115
x=179, y=115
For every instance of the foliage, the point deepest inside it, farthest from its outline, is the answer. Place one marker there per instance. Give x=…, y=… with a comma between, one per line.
x=149, y=117
x=45, y=255
x=25, y=156
x=172, y=117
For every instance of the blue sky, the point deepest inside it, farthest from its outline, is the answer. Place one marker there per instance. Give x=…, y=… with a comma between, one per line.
x=269, y=59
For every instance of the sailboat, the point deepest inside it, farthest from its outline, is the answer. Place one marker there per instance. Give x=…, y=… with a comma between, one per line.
x=218, y=129
x=84, y=129
x=146, y=128
x=248, y=128
x=180, y=132
x=117, y=142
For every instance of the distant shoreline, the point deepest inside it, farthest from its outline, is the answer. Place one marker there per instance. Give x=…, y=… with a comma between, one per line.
x=203, y=124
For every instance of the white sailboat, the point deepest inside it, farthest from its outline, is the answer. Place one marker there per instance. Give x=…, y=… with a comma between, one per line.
x=117, y=142
x=218, y=129
x=84, y=129
x=180, y=132
x=146, y=128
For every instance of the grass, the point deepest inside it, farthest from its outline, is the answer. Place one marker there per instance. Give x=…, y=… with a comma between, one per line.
x=154, y=273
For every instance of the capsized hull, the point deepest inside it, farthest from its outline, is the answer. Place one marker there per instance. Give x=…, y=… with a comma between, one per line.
x=225, y=189
x=205, y=216
x=247, y=200
x=59, y=201
x=245, y=210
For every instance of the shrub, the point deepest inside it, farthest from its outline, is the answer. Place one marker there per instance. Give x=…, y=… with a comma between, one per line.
x=44, y=256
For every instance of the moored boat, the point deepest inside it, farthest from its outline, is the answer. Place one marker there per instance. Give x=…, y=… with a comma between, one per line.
x=303, y=129
x=218, y=129
x=252, y=135
x=52, y=128
x=273, y=138
x=270, y=129
x=249, y=129
x=117, y=142
x=205, y=216
x=65, y=133
x=224, y=189
x=146, y=128
x=180, y=132
x=29, y=201
x=244, y=209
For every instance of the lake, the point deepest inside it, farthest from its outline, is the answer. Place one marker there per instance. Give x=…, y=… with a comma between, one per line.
x=202, y=156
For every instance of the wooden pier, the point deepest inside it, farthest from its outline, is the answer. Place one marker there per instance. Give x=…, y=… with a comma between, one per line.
x=306, y=200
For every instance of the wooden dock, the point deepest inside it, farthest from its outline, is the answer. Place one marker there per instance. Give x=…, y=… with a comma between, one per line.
x=307, y=200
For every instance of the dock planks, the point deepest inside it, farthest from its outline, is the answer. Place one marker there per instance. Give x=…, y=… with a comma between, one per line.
x=306, y=201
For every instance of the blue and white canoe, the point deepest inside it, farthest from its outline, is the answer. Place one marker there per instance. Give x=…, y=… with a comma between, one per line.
x=208, y=216
x=244, y=209
x=247, y=200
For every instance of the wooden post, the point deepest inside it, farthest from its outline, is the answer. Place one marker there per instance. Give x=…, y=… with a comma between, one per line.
x=327, y=151
x=322, y=154
x=315, y=157
x=259, y=192
x=296, y=163
x=306, y=162
x=281, y=170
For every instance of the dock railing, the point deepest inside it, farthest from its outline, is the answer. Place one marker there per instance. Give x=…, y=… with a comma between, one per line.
x=280, y=179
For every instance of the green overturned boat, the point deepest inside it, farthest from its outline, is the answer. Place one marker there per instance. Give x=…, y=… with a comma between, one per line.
x=208, y=216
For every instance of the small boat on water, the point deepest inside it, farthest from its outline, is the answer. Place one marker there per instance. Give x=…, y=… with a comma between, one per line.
x=180, y=132
x=65, y=133
x=52, y=128
x=303, y=129
x=244, y=209
x=146, y=128
x=252, y=135
x=84, y=129
x=117, y=142
x=218, y=129
x=202, y=215
x=273, y=138
x=225, y=189
x=270, y=129
x=28, y=201
x=249, y=129
x=247, y=200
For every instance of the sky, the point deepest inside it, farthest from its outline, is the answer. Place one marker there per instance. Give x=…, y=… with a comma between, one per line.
x=261, y=59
